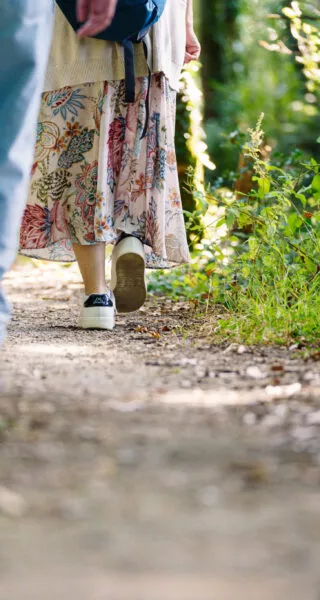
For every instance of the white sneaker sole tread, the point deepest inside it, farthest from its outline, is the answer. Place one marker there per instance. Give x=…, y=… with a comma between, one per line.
x=130, y=291
x=128, y=275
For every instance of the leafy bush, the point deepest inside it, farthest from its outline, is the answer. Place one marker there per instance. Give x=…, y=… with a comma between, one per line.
x=264, y=265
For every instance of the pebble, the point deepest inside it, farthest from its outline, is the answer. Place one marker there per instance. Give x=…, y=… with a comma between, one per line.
x=283, y=391
x=242, y=349
x=309, y=376
x=281, y=411
x=125, y=407
x=11, y=504
x=304, y=433
x=37, y=374
x=271, y=421
x=294, y=347
x=127, y=457
x=186, y=362
x=313, y=418
x=87, y=433
x=231, y=348
x=186, y=384
x=201, y=372
x=255, y=373
x=249, y=418
x=73, y=509
x=209, y=496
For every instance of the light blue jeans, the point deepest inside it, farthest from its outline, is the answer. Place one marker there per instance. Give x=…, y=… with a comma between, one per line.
x=25, y=34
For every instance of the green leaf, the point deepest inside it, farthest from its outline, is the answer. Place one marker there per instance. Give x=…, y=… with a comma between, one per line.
x=294, y=222
x=273, y=168
x=311, y=266
x=246, y=271
x=316, y=183
x=230, y=219
x=253, y=247
x=221, y=221
x=268, y=261
x=264, y=186
x=302, y=199
x=244, y=221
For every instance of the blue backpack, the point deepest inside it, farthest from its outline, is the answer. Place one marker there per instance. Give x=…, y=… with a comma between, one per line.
x=132, y=21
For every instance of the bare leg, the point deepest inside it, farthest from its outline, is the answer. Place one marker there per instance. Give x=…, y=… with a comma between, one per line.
x=91, y=261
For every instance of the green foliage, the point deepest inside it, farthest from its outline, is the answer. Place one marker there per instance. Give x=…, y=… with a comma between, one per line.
x=243, y=79
x=255, y=229
x=264, y=267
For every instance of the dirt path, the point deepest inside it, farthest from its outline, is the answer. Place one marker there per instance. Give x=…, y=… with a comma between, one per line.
x=149, y=463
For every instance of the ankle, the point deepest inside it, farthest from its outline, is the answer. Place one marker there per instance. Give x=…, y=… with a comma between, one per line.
x=98, y=289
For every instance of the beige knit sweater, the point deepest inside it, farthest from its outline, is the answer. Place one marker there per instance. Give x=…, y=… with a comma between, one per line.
x=74, y=61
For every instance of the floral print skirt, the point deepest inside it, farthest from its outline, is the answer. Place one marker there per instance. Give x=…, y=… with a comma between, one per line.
x=95, y=178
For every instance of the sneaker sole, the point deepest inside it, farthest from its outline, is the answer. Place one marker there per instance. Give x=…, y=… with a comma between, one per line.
x=94, y=320
x=130, y=291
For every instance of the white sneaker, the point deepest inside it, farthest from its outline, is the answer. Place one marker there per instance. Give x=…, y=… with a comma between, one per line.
x=128, y=280
x=98, y=312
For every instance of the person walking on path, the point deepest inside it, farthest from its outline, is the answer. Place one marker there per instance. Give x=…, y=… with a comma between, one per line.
x=25, y=34
x=96, y=180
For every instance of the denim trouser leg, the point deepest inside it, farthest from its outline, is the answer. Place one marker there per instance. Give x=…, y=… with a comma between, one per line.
x=25, y=32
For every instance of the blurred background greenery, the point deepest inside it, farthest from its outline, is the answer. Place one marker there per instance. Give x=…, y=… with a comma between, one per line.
x=250, y=64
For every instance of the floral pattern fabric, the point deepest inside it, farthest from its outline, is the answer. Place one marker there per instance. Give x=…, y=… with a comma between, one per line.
x=94, y=178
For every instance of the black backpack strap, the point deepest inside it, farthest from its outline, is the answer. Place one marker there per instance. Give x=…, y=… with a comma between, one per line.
x=129, y=71
x=130, y=77
x=146, y=52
